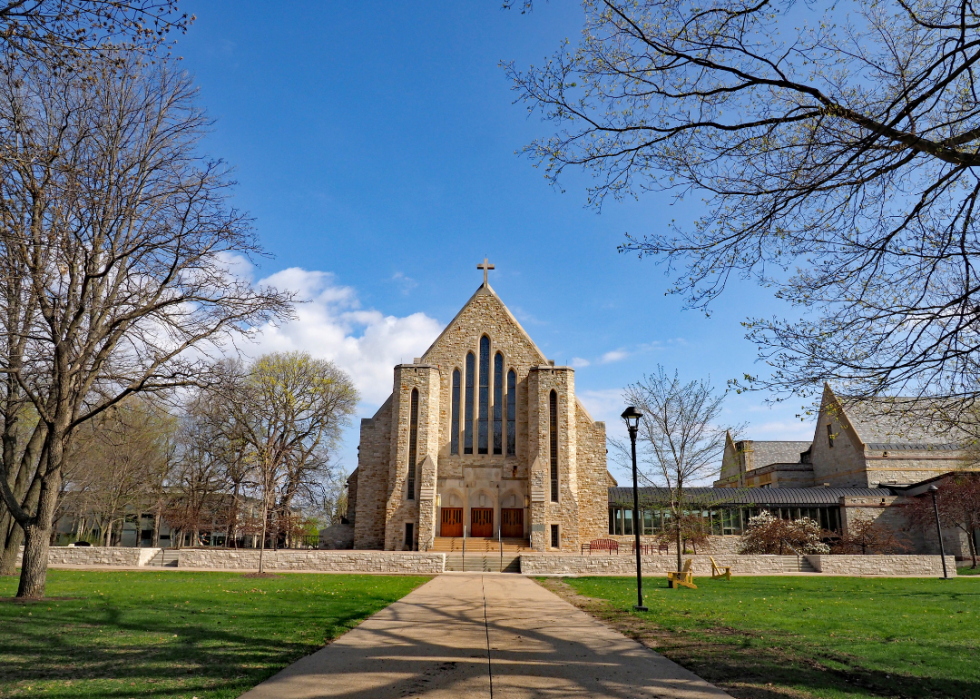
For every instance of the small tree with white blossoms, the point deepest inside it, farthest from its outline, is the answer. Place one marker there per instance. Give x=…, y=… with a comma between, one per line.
x=769, y=534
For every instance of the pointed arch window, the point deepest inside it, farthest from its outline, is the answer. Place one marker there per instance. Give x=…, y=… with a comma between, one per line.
x=454, y=428
x=483, y=424
x=413, y=437
x=468, y=404
x=511, y=412
x=554, y=445
x=498, y=403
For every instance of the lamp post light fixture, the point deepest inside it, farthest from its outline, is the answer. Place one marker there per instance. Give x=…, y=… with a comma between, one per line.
x=632, y=417
x=939, y=529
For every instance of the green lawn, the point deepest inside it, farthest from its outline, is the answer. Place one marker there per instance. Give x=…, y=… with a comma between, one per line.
x=175, y=634
x=968, y=571
x=765, y=637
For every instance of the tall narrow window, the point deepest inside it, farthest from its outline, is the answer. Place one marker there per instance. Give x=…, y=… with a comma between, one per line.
x=554, y=446
x=830, y=436
x=483, y=423
x=511, y=412
x=468, y=404
x=454, y=428
x=498, y=403
x=413, y=438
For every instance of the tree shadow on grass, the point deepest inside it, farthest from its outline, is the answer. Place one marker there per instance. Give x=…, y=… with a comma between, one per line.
x=105, y=650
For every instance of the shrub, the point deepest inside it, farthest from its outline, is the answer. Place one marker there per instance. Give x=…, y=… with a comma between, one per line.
x=767, y=533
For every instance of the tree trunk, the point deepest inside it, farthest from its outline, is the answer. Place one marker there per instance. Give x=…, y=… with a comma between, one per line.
x=265, y=512
x=156, y=528
x=34, y=569
x=8, y=557
x=680, y=547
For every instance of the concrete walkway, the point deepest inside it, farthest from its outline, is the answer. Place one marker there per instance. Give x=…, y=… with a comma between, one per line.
x=461, y=636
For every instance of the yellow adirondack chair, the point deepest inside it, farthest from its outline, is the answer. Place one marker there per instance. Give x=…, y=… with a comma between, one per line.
x=718, y=571
x=684, y=578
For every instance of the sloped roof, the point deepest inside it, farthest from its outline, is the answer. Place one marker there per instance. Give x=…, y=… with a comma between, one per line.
x=486, y=289
x=710, y=497
x=765, y=453
x=895, y=423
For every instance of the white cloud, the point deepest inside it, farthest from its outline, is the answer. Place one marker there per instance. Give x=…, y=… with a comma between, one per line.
x=405, y=283
x=613, y=356
x=365, y=343
x=578, y=362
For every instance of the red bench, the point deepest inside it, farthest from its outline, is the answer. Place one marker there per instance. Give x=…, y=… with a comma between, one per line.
x=609, y=545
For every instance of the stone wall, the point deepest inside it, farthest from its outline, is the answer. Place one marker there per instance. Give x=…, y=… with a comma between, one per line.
x=96, y=556
x=372, y=479
x=402, y=562
x=560, y=564
x=625, y=564
x=926, y=566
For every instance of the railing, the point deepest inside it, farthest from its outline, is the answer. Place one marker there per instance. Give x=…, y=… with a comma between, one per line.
x=799, y=557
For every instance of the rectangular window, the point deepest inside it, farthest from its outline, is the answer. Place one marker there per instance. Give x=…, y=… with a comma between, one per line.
x=498, y=403
x=555, y=542
x=511, y=413
x=628, y=522
x=409, y=536
x=830, y=436
x=468, y=410
x=554, y=446
x=454, y=428
x=483, y=426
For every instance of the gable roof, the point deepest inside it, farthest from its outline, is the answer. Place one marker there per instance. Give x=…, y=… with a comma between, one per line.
x=895, y=423
x=713, y=497
x=486, y=290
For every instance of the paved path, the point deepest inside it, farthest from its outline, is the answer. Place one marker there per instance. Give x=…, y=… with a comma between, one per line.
x=462, y=636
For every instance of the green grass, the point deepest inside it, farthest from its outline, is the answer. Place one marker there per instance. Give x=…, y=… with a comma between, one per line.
x=175, y=634
x=968, y=571
x=807, y=637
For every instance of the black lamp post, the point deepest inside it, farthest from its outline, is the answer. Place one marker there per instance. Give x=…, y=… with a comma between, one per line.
x=939, y=529
x=632, y=417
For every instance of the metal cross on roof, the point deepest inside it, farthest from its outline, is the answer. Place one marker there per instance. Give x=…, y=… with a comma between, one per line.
x=486, y=267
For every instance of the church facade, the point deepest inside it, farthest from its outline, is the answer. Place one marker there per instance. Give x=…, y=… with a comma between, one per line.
x=481, y=436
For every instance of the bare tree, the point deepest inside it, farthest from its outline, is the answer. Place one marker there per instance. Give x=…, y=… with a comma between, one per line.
x=290, y=409
x=120, y=236
x=680, y=439
x=834, y=147
x=65, y=30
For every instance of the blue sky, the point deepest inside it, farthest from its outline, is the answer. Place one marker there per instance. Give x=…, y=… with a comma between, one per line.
x=375, y=145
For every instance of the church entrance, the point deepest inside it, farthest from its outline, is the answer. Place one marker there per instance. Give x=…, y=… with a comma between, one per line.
x=512, y=523
x=481, y=521
x=452, y=521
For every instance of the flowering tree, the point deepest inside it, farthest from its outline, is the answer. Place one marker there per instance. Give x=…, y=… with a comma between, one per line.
x=766, y=533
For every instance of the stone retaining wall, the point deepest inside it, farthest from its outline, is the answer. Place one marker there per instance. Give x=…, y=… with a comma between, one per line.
x=406, y=562
x=927, y=566
x=95, y=556
x=552, y=564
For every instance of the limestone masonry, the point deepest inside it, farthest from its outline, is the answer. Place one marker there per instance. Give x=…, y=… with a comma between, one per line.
x=483, y=434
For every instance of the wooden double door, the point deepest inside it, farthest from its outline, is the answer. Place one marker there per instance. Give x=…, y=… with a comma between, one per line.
x=481, y=521
x=512, y=522
x=452, y=521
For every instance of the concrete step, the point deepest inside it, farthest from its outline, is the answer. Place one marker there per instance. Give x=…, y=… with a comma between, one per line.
x=444, y=544
x=792, y=564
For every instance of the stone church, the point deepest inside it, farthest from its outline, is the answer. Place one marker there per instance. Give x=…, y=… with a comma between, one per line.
x=481, y=436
